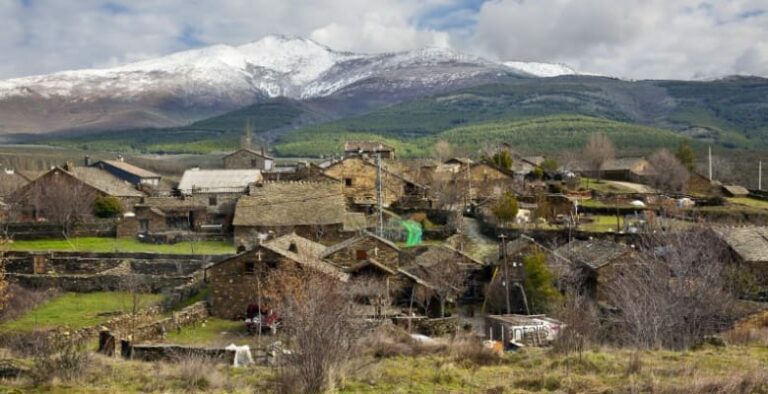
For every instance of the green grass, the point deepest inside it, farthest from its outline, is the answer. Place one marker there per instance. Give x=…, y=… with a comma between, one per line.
x=749, y=202
x=602, y=224
x=94, y=244
x=77, y=310
x=604, y=186
x=213, y=331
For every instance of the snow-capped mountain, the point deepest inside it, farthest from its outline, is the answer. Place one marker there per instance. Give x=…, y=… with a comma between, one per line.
x=190, y=85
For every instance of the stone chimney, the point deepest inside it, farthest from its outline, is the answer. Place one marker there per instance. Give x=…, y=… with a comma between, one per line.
x=120, y=158
x=87, y=161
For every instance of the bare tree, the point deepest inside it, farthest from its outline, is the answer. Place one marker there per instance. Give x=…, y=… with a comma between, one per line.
x=452, y=195
x=443, y=150
x=669, y=174
x=675, y=293
x=598, y=151
x=317, y=316
x=374, y=291
x=62, y=201
x=444, y=274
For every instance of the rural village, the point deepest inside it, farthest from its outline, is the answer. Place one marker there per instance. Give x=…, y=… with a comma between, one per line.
x=256, y=262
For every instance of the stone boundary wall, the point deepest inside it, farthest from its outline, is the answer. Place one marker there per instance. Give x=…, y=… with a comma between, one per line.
x=32, y=231
x=189, y=316
x=94, y=283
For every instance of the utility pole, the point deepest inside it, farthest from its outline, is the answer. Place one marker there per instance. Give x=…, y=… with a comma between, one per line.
x=760, y=175
x=380, y=213
x=710, y=163
x=505, y=267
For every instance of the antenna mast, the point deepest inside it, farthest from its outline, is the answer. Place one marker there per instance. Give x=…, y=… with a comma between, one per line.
x=380, y=223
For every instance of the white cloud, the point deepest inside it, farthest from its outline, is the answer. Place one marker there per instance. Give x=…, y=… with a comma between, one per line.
x=628, y=38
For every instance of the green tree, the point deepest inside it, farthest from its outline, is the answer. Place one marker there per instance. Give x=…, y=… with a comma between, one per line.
x=107, y=207
x=506, y=208
x=686, y=155
x=503, y=159
x=539, y=285
x=549, y=164
x=538, y=173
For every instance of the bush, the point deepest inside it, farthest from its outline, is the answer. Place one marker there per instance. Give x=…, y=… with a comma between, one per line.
x=506, y=208
x=60, y=358
x=107, y=207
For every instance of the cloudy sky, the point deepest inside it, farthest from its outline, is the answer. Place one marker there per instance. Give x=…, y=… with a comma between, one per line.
x=626, y=38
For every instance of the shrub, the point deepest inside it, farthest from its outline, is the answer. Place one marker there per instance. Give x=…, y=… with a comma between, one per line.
x=107, y=207
x=506, y=208
x=61, y=358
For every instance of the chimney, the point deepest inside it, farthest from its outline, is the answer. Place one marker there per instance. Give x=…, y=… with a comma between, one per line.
x=263, y=151
x=69, y=165
x=120, y=158
x=87, y=161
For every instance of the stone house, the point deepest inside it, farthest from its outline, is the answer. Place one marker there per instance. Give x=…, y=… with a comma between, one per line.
x=219, y=190
x=241, y=280
x=749, y=249
x=73, y=186
x=628, y=169
x=314, y=210
x=128, y=172
x=595, y=263
x=156, y=215
x=368, y=149
x=358, y=178
x=701, y=185
x=364, y=254
x=245, y=158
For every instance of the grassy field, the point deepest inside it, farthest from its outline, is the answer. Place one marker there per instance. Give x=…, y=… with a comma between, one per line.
x=93, y=244
x=77, y=310
x=749, y=202
x=602, y=224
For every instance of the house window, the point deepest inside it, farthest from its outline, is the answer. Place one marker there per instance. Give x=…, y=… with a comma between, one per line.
x=143, y=225
x=213, y=201
x=347, y=181
x=249, y=268
x=361, y=254
x=254, y=163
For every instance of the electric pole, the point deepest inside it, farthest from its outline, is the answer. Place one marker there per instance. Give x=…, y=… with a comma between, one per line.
x=760, y=175
x=710, y=163
x=380, y=213
x=505, y=267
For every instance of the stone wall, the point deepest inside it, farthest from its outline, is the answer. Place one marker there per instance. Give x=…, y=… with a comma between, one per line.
x=93, y=283
x=32, y=231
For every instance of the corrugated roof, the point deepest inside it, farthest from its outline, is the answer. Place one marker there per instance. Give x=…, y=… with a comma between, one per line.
x=104, y=182
x=129, y=168
x=218, y=180
x=750, y=243
x=291, y=204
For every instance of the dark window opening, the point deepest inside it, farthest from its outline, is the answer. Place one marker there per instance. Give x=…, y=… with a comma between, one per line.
x=293, y=248
x=361, y=254
x=347, y=181
x=254, y=163
x=250, y=268
x=212, y=201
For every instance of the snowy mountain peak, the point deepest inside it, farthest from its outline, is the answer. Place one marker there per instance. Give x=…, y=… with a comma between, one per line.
x=541, y=69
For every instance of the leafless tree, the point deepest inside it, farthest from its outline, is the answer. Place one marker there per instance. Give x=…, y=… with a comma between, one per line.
x=598, y=151
x=445, y=275
x=374, y=291
x=669, y=174
x=62, y=201
x=451, y=192
x=675, y=293
x=443, y=150
x=134, y=286
x=317, y=313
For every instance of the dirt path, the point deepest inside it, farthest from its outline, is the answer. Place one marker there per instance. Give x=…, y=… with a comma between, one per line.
x=479, y=246
x=638, y=187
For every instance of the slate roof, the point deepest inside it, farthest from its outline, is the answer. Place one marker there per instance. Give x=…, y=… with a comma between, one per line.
x=304, y=246
x=129, y=168
x=104, y=182
x=221, y=181
x=736, y=190
x=251, y=151
x=366, y=146
x=171, y=203
x=595, y=253
x=10, y=181
x=291, y=204
x=354, y=240
x=750, y=243
x=307, y=254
